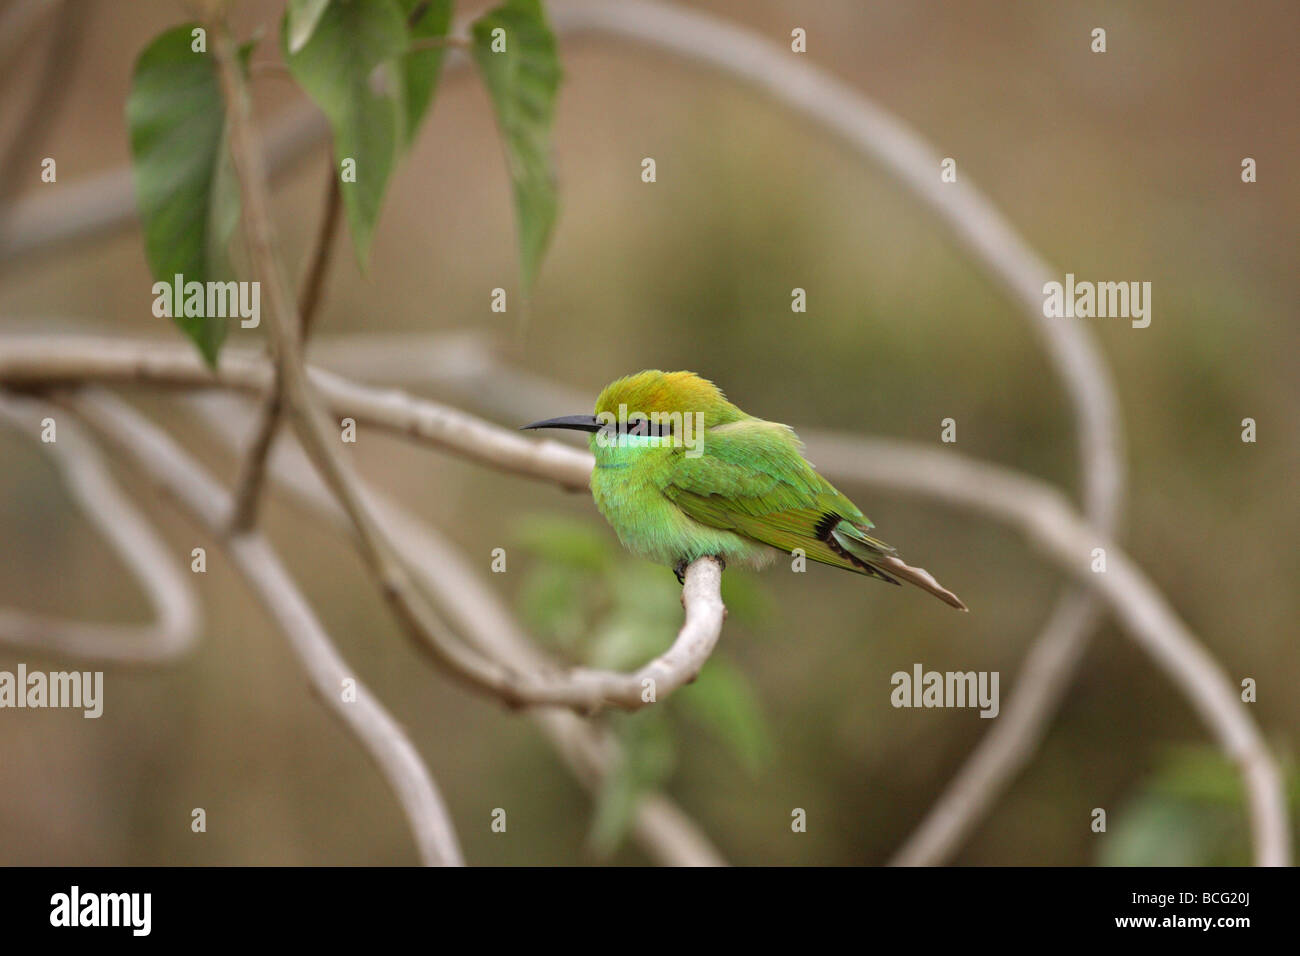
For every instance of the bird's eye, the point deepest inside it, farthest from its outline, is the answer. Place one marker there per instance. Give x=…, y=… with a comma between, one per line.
x=643, y=427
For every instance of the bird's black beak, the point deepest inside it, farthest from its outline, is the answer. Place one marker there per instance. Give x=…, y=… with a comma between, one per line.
x=580, y=423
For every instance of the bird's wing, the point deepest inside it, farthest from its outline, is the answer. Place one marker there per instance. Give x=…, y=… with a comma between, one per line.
x=753, y=479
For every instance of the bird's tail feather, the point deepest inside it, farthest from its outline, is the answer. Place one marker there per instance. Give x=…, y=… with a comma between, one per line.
x=866, y=552
x=922, y=578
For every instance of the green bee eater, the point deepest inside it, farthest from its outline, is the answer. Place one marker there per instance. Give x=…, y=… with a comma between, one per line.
x=681, y=473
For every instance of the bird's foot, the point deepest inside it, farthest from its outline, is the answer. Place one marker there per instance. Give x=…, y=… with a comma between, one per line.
x=679, y=569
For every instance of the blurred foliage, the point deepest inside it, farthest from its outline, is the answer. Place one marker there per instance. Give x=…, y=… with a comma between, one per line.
x=606, y=609
x=1191, y=812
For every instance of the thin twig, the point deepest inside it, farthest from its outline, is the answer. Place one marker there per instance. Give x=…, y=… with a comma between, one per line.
x=173, y=472
x=248, y=486
x=314, y=283
x=151, y=562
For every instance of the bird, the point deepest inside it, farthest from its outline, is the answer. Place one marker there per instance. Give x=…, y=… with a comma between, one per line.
x=682, y=473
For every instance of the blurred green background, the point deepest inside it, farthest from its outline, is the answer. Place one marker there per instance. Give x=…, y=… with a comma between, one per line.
x=1122, y=166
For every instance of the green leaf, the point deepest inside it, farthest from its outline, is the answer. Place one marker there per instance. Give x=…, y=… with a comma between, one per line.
x=304, y=15
x=421, y=68
x=522, y=81
x=722, y=700
x=354, y=49
x=186, y=197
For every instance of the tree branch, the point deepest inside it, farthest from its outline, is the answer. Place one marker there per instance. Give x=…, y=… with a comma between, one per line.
x=69, y=359
x=34, y=360
x=1046, y=520
x=664, y=831
x=991, y=242
x=1033, y=507
x=174, y=473
x=584, y=690
x=465, y=363
x=285, y=334
x=150, y=561
x=1043, y=677
x=45, y=360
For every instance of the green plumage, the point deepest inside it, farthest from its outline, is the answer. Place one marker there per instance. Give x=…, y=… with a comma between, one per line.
x=736, y=488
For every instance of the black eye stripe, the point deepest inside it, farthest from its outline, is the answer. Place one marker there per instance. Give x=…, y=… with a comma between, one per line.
x=641, y=427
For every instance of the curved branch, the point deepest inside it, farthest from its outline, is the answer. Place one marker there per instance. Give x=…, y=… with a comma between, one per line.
x=178, y=619
x=175, y=474
x=584, y=690
x=1030, y=505
x=980, y=230
x=44, y=360
x=1043, y=679
x=1047, y=521
x=990, y=241
x=466, y=363
x=30, y=360
x=477, y=612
